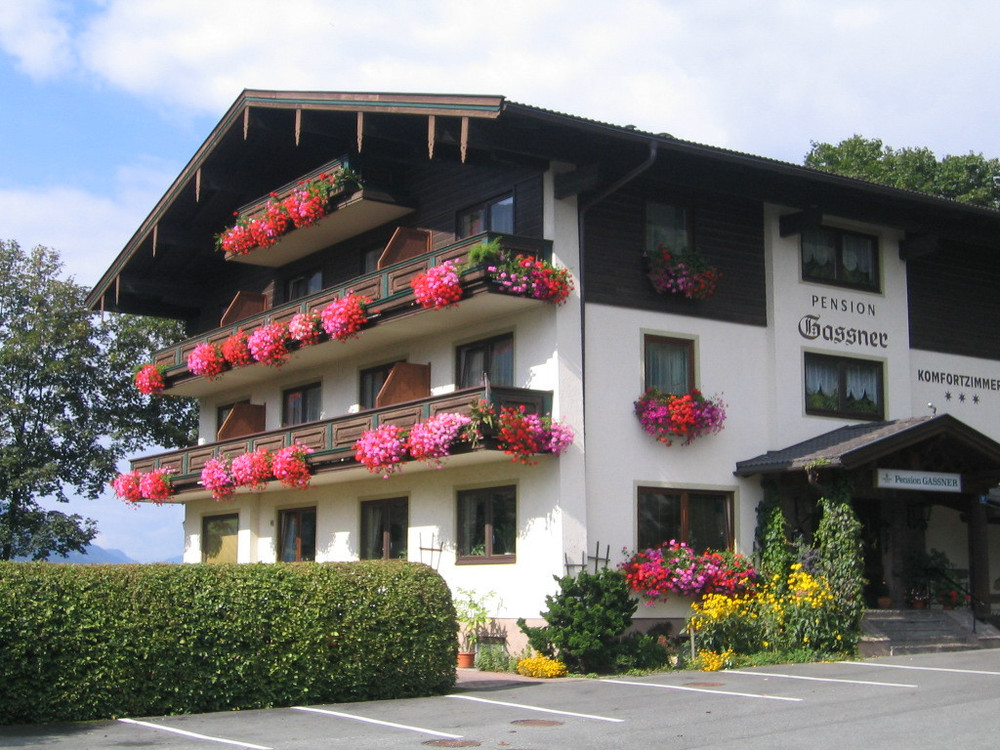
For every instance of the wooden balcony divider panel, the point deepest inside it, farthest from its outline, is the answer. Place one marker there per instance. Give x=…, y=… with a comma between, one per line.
x=244, y=419
x=404, y=244
x=244, y=305
x=407, y=381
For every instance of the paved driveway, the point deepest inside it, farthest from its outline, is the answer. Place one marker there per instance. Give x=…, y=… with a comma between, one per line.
x=927, y=701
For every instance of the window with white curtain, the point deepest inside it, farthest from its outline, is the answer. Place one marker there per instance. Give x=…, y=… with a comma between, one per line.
x=839, y=257
x=668, y=363
x=843, y=387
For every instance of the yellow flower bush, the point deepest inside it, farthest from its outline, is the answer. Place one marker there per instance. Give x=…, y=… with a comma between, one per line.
x=710, y=661
x=795, y=612
x=541, y=666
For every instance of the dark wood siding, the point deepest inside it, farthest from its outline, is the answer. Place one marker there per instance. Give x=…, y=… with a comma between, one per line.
x=954, y=301
x=728, y=231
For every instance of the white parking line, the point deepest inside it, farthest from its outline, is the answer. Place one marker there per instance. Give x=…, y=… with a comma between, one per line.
x=366, y=720
x=820, y=679
x=194, y=735
x=922, y=669
x=703, y=690
x=536, y=708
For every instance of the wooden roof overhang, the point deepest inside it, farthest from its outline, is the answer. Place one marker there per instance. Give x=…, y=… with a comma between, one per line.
x=269, y=138
x=938, y=443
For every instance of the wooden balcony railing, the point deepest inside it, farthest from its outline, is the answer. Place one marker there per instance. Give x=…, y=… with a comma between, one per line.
x=332, y=439
x=389, y=288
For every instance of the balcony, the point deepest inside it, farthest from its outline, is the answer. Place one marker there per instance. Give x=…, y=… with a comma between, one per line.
x=332, y=439
x=393, y=302
x=349, y=213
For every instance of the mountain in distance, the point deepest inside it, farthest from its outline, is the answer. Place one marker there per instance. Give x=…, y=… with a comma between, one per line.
x=94, y=555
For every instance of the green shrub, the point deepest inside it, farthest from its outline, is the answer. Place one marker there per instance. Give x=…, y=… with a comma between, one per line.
x=585, y=623
x=83, y=642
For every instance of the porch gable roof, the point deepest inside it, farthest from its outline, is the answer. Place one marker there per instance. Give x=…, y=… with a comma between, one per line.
x=855, y=445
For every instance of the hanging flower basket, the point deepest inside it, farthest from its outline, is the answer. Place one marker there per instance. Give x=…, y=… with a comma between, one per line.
x=306, y=204
x=669, y=417
x=134, y=486
x=344, y=318
x=674, y=568
x=217, y=478
x=269, y=344
x=305, y=328
x=685, y=273
x=149, y=380
x=207, y=359
x=438, y=286
x=523, y=275
x=288, y=465
x=236, y=350
x=382, y=450
x=432, y=439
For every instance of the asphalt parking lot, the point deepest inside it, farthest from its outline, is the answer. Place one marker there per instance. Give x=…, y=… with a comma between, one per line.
x=925, y=701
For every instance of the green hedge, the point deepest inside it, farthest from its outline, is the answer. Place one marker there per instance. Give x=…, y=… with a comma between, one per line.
x=82, y=642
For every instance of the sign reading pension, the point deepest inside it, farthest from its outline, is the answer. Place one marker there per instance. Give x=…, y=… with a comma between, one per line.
x=924, y=481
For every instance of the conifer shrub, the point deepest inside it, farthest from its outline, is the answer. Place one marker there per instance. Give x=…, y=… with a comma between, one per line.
x=585, y=623
x=81, y=642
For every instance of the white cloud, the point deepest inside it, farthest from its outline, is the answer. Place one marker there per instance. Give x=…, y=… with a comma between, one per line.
x=87, y=230
x=35, y=33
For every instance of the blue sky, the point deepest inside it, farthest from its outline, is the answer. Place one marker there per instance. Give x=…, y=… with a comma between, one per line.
x=102, y=102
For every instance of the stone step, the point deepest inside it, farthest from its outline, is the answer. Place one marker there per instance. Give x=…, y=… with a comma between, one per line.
x=889, y=632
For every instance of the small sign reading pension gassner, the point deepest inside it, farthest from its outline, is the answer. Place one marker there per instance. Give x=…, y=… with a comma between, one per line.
x=924, y=481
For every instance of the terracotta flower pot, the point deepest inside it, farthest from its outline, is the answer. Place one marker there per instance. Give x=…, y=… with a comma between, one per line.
x=466, y=659
x=885, y=602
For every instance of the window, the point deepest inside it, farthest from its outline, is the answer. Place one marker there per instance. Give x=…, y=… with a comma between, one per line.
x=702, y=520
x=303, y=285
x=836, y=256
x=384, y=524
x=297, y=535
x=669, y=364
x=301, y=404
x=843, y=387
x=496, y=215
x=371, y=380
x=487, y=525
x=668, y=226
x=219, y=538
x=493, y=357
x=370, y=258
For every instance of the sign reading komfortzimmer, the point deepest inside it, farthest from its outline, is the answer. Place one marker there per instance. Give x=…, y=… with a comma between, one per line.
x=924, y=481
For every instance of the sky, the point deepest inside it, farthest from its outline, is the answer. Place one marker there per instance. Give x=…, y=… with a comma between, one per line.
x=103, y=102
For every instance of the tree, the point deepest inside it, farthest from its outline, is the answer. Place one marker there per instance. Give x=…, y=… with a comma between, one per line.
x=68, y=412
x=970, y=178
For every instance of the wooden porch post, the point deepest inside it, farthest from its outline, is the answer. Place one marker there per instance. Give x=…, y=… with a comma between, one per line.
x=979, y=557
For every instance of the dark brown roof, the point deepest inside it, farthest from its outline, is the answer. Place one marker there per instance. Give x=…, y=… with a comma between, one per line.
x=856, y=445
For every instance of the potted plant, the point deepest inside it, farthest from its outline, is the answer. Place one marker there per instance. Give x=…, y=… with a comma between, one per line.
x=472, y=616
